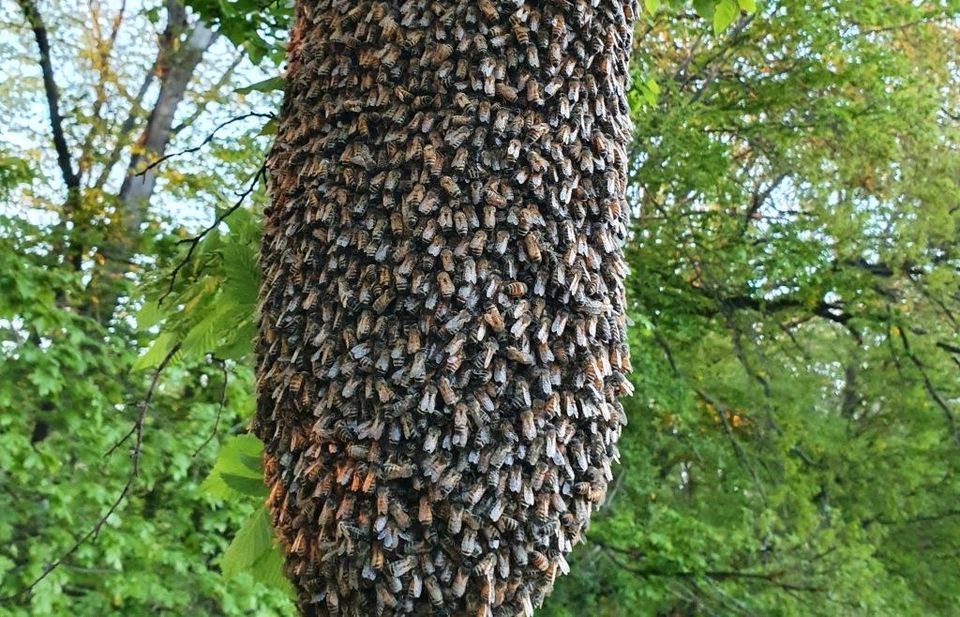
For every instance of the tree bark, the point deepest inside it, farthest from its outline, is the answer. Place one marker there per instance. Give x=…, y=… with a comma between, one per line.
x=175, y=66
x=443, y=335
x=177, y=61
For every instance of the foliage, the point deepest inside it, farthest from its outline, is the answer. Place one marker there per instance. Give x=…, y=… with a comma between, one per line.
x=791, y=447
x=68, y=396
x=71, y=384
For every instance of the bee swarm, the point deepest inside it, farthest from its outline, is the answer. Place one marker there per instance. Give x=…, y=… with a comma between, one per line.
x=442, y=338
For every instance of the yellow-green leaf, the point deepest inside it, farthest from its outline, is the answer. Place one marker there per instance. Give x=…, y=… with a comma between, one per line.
x=724, y=14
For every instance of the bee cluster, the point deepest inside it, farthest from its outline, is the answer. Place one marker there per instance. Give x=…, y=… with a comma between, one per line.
x=442, y=339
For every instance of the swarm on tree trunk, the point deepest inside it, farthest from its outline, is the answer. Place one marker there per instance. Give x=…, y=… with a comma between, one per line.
x=443, y=324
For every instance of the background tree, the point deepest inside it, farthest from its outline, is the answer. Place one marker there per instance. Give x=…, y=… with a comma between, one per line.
x=92, y=94
x=792, y=448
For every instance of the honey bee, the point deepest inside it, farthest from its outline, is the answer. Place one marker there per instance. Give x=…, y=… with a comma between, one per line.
x=506, y=91
x=459, y=162
x=478, y=243
x=376, y=557
x=393, y=471
x=460, y=223
x=333, y=602
x=445, y=283
x=450, y=186
x=515, y=289
x=425, y=511
x=447, y=392
x=520, y=31
x=400, y=516
x=485, y=566
x=513, y=151
x=533, y=248
x=468, y=543
x=433, y=591
x=493, y=318
x=385, y=598
x=489, y=10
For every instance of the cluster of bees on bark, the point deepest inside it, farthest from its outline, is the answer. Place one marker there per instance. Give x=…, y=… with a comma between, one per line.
x=442, y=340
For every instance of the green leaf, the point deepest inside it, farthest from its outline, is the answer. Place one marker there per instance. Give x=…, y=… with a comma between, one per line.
x=255, y=552
x=246, y=485
x=268, y=570
x=243, y=278
x=749, y=6
x=651, y=5
x=252, y=542
x=149, y=314
x=724, y=15
x=205, y=335
x=270, y=127
x=238, y=470
x=267, y=85
x=157, y=352
x=704, y=8
x=239, y=343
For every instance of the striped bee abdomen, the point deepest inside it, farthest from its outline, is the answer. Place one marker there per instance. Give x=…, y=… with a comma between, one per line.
x=442, y=340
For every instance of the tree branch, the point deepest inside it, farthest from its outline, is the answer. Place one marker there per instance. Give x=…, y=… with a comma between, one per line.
x=774, y=577
x=194, y=242
x=931, y=389
x=220, y=406
x=135, y=455
x=207, y=139
x=32, y=14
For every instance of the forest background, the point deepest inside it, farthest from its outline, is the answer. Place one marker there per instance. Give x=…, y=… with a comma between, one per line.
x=795, y=296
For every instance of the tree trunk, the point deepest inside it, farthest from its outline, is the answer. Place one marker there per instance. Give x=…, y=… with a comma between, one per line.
x=443, y=319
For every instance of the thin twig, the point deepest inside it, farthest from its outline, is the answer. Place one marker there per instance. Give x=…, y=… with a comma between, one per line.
x=131, y=478
x=195, y=240
x=223, y=402
x=207, y=139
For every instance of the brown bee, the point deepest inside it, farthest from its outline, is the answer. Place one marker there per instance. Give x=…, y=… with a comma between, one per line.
x=506, y=91
x=459, y=162
x=376, y=557
x=478, y=243
x=493, y=318
x=400, y=516
x=425, y=511
x=533, y=248
x=392, y=471
x=433, y=590
x=520, y=31
x=489, y=10
x=447, y=393
x=450, y=185
x=460, y=223
x=515, y=289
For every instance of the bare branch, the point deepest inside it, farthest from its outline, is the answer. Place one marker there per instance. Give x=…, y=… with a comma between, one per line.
x=212, y=94
x=208, y=139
